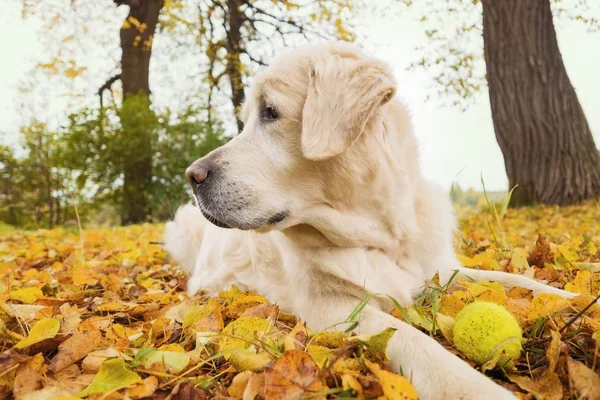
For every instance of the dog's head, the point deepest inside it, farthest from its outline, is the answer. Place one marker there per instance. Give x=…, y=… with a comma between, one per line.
x=312, y=139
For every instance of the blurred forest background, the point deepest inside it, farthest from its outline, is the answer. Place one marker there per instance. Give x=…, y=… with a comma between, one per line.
x=115, y=157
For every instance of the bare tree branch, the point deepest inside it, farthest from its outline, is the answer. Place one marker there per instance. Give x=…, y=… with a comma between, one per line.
x=257, y=61
x=106, y=86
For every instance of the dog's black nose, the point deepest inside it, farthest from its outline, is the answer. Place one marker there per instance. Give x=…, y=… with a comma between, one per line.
x=197, y=172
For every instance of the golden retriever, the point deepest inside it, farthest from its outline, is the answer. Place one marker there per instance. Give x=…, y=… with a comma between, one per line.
x=326, y=203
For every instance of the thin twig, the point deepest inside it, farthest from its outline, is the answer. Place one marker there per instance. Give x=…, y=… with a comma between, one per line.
x=579, y=314
x=106, y=86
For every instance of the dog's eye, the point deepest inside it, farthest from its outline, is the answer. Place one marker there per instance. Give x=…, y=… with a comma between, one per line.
x=269, y=113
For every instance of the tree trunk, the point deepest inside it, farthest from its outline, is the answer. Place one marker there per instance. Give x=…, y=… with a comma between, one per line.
x=136, y=34
x=548, y=149
x=58, y=211
x=234, y=63
x=48, y=173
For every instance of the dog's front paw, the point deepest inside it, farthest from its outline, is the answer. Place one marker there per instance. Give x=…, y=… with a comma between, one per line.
x=193, y=285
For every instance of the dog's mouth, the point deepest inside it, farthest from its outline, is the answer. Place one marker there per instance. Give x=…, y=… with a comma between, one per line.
x=254, y=225
x=215, y=221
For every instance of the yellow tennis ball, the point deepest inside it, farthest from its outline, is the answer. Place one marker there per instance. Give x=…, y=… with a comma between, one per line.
x=483, y=331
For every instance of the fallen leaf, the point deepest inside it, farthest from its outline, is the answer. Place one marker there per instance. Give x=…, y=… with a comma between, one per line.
x=112, y=375
x=519, y=308
x=171, y=362
x=376, y=343
x=26, y=295
x=321, y=355
x=93, y=361
x=254, y=387
x=349, y=382
x=293, y=375
x=74, y=349
x=83, y=277
x=50, y=392
x=582, y=283
x=297, y=338
x=446, y=326
x=265, y=310
x=546, y=305
x=145, y=388
x=186, y=391
x=44, y=329
x=584, y=382
x=395, y=387
x=71, y=318
x=553, y=351
x=451, y=305
x=238, y=384
x=545, y=387
x=248, y=360
x=241, y=333
x=27, y=380
x=25, y=312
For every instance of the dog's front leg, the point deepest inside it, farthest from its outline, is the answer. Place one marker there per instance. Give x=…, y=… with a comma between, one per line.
x=435, y=372
x=508, y=280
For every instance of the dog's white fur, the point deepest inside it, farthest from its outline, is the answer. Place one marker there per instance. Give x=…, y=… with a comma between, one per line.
x=341, y=161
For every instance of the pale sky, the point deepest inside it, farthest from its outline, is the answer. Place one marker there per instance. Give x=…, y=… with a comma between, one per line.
x=454, y=145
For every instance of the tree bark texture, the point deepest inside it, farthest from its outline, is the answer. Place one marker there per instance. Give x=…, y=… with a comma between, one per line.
x=136, y=45
x=235, y=19
x=548, y=148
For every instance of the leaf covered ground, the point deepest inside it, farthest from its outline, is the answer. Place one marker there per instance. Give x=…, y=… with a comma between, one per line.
x=104, y=315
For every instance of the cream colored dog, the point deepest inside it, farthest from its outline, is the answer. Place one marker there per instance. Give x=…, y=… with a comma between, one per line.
x=327, y=204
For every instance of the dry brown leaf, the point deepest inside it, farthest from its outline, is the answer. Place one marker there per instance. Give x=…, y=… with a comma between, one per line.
x=71, y=318
x=212, y=322
x=186, y=391
x=545, y=387
x=584, y=382
x=297, y=338
x=145, y=388
x=239, y=384
x=74, y=349
x=49, y=392
x=27, y=380
x=371, y=386
x=292, y=376
x=541, y=253
x=265, y=310
x=519, y=308
x=518, y=292
x=93, y=361
x=395, y=387
x=255, y=386
x=553, y=351
x=242, y=302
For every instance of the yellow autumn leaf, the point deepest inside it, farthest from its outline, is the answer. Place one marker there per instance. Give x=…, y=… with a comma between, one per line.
x=113, y=375
x=249, y=360
x=582, y=283
x=395, y=387
x=173, y=362
x=451, y=305
x=45, y=328
x=83, y=277
x=376, y=343
x=546, y=305
x=26, y=295
x=242, y=332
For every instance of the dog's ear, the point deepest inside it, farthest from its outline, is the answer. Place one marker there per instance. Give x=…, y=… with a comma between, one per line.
x=343, y=95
